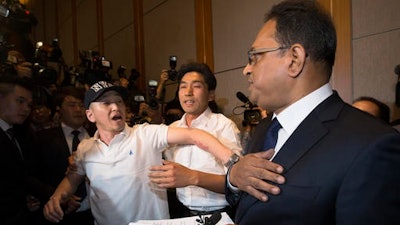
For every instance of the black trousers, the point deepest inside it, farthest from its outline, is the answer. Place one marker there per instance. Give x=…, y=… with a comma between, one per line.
x=178, y=210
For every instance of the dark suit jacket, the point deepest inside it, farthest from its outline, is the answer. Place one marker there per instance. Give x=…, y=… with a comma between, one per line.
x=52, y=154
x=52, y=159
x=13, y=169
x=341, y=165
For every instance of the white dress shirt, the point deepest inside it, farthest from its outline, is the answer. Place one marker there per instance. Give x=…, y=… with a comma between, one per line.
x=191, y=156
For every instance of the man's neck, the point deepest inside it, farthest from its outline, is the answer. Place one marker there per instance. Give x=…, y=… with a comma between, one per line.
x=190, y=117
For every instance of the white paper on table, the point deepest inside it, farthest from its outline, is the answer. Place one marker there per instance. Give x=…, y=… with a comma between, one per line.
x=225, y=219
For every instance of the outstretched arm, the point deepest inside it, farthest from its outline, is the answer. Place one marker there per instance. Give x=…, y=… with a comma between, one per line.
x=202, y=139
x=52, y=210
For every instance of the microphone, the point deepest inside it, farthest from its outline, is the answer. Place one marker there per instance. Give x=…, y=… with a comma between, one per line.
x=244, y=99
x=397, y=70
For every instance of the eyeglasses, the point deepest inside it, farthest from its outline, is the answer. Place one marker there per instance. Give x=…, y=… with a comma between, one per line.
x=253, y=53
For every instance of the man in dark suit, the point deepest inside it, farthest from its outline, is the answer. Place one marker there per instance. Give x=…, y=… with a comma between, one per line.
x=15, y=106
x=332, y=164
x=55, y=146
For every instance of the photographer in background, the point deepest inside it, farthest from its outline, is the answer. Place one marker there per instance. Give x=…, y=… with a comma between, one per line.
x=171, y=75
x=23, y=67
x=171, y=110
x=161, y=85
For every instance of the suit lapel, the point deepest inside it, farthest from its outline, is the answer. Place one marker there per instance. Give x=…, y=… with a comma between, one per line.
x=309, y=132
x=306, y=135
x=63, y=142
x=10, y=147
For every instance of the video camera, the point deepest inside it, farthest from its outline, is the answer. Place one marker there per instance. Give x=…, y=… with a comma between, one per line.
x=92, y=60
x=172, y=73
x=15, y=16
x=44, y=53
x=92, y=68
x=251, y=116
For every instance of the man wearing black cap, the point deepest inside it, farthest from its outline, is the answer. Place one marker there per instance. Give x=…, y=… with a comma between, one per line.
x=116, y=161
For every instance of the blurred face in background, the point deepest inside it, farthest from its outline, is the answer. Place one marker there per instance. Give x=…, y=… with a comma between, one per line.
x=40, y=114
x=368, y=107
x=16, y=106
x=124, y=82
x=72, y=112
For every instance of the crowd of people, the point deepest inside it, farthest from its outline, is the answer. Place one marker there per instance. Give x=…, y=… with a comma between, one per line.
x=54, y=119
x=95, y=153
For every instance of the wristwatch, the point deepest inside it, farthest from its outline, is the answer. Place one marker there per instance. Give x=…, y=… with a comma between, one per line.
x=232, y=160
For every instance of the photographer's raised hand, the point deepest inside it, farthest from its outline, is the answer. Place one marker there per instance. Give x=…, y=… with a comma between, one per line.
x=251, y=173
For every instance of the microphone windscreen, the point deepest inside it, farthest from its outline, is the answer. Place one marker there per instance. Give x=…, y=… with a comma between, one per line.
x=397, y=70
x=242, y=97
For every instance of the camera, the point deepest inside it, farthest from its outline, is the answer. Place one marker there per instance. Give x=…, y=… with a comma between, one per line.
x=44, y=75
x=15, y=16
x=153, y=101
x=252, y=117
x=91, y=69
x=42, y=72
x=142, y=115
x=172, y=73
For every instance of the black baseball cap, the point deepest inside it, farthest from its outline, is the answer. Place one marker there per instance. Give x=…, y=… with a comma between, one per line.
x=99, y=88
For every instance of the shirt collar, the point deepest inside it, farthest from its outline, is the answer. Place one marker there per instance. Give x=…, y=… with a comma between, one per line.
x=4, y=125
x=291, y=117
x=67, y=129
x=124, y=132
x=206, y=114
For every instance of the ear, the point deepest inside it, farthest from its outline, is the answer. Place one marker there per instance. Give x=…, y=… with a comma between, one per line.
x=90, y=116
x=211, y=95
x=298, y=58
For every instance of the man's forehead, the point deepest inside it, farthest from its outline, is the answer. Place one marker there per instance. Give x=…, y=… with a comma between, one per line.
x=193, y=77
x=265, y=35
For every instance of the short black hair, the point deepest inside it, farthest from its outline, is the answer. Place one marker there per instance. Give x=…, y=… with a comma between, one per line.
x=384, y=110
x=68, y=91
x=201, y=68
x=9, y=80
x=306, y=22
